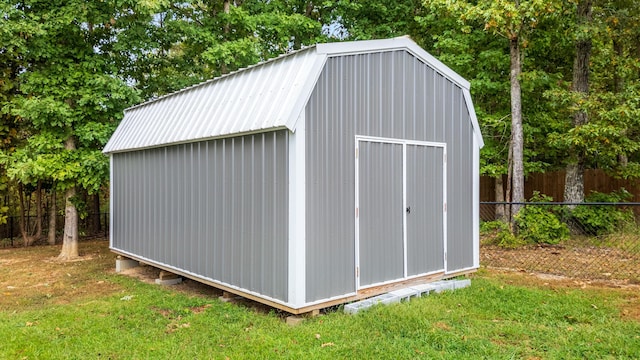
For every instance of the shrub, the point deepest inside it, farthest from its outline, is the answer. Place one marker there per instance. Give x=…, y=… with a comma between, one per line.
x=498, y=233
x=541, y=223
x=603, y=219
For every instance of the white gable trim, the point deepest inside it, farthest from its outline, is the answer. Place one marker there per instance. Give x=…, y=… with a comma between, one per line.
x=474, y=118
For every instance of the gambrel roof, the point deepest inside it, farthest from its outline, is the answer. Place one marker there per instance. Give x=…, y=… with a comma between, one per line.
x=267, y=96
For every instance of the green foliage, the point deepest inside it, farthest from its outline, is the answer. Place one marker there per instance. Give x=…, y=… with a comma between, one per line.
x=499, y=233
x=541, y=223
x=601, y=220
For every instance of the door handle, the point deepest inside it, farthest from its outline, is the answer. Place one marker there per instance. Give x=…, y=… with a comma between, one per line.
x=408, y=209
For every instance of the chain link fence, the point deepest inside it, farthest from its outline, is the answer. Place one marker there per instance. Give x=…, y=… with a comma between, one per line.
x=586, y=240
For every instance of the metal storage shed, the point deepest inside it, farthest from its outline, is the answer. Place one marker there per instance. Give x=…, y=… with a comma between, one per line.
x=330, y=174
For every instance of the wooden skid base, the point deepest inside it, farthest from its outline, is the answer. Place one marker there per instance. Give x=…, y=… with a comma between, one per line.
x=314, y=309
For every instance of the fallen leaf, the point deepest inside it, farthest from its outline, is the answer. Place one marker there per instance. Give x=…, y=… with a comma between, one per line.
x=327, y=344
x=29, y=323
x=594, y=306
x=317, y=336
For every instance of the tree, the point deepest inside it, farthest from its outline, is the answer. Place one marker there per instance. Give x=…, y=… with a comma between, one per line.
x=68, y=99
x=600, y=103
x=192, y=41
x=374, y=19
x=574, y=179
x=513, y=21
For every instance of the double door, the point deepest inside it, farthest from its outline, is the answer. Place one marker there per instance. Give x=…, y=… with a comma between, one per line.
x=400, y=209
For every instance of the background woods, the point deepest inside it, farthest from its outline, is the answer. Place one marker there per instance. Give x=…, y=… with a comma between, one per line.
x=555, y=84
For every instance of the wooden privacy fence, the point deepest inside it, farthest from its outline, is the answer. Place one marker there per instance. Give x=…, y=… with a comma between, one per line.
x=552, y=184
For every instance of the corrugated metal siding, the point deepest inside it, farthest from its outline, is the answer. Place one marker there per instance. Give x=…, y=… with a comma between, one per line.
x=267, y=96
x=386, y=94
x=218, y=209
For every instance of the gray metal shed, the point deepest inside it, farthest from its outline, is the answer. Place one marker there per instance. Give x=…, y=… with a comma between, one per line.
x=333, y=173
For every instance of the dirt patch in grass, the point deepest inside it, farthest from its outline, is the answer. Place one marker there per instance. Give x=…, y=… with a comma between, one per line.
x=629, y=293
x=585, y=262
x=31, y=277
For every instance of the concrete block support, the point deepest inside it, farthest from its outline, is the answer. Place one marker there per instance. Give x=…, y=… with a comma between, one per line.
x=173, y=281
x=294, y=320
x=168, y=278
x=407, y=294
x=123, y=263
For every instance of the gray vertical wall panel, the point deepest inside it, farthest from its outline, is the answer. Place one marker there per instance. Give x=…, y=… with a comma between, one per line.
x=330, y=249
x=460, y=254
x=218, y=209
x=385, y=94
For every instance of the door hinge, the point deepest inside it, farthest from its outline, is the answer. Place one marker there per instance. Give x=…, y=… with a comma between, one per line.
x=357, y=271
x=357, y=212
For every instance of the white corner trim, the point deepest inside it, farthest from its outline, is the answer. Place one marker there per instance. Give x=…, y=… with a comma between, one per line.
x=445, y=209
x=297, y=220
x=476, y=202
x=474, y=119
x=110, y=200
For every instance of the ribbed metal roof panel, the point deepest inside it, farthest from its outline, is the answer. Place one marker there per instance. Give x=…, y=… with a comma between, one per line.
x=262, y=97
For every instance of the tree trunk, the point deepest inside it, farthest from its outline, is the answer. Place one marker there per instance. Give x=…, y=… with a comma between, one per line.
x=70, y=236
x=499, y=192
x=51, y=239
x=517, y=137
x=226, y=7
x=574, y=179
x=38, y=233
x=574, y=176
x=24, y=231
x=508, y=210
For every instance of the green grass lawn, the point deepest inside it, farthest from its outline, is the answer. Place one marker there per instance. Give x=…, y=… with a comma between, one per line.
x=499, y=317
